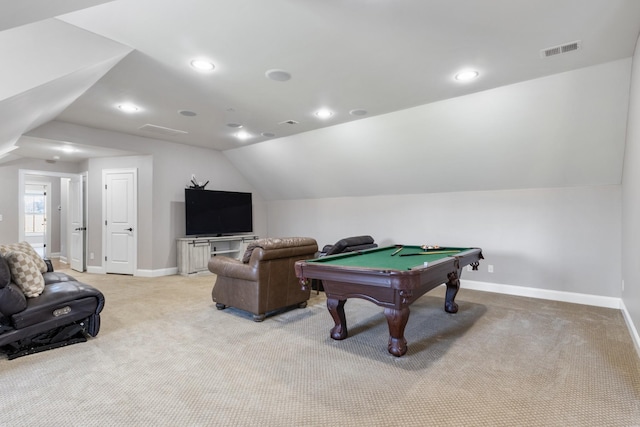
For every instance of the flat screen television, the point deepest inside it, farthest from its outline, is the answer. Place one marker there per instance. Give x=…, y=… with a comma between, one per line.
x=216, y=213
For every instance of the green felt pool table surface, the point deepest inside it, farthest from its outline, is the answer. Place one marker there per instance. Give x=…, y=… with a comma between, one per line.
x=382, y=258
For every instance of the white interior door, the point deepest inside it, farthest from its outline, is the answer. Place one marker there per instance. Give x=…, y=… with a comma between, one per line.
x=76, y=225
x=120, y=201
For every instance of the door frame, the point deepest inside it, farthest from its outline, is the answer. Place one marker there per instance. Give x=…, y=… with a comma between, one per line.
x=46, y=184
x=69, y=232
x=22, y=180
x=106, y=172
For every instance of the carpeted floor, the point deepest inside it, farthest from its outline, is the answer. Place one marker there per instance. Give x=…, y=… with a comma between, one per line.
x=166, y=357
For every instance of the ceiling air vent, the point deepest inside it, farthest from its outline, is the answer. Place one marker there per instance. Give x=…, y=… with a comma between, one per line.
x=559, y=50
x=288, y=122
x=162, y=130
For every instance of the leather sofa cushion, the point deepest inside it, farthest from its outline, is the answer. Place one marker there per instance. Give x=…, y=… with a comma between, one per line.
x=25, y=273
x=356, y=241
x=28, y=249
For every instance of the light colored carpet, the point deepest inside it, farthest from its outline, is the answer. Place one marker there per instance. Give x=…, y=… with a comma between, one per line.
x=166, y=357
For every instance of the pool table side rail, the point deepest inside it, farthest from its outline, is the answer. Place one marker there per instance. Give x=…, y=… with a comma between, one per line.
x=396, y=279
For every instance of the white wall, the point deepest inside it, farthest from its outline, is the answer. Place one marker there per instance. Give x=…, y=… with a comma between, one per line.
x=631, y=204
x=164, y=170
x=144, y=166
x=529, y=172
x=565, y=239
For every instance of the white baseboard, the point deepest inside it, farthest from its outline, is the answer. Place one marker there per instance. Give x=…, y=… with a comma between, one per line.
x=157, y=273
x=95, y=269
x=576, y=298
x=632, y=329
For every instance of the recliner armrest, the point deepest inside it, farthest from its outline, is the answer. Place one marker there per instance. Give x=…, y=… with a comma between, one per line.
x=12, y=300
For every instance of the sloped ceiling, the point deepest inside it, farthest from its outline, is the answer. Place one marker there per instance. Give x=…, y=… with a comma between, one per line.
x=17, y=13
x=52, y=64
x=565, y=130
x=378, y=56
x=76, y=61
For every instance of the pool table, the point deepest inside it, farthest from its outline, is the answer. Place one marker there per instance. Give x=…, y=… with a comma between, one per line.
x=392, y=277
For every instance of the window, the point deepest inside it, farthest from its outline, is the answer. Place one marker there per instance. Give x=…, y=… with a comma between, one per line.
x=34, y=210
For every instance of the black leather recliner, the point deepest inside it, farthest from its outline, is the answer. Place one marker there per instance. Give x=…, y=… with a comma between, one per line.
x=348, y=244
x=64, y=313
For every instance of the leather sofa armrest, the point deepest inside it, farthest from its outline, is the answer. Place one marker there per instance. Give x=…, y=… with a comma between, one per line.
x=56, y=276
x=12, y=300
x=230, y=267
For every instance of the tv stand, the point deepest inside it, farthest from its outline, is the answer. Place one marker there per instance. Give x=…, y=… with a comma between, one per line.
x=194, y=252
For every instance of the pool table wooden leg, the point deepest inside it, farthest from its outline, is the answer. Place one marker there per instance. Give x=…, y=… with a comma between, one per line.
x=336, y=309
x=397, y=320
x=453, y=285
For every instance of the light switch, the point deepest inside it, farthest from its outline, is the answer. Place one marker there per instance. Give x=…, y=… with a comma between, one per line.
x=0, y=217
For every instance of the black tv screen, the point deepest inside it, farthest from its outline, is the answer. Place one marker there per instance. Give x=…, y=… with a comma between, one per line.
x=214, y=213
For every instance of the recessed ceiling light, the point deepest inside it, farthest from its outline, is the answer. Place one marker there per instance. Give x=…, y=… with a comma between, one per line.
x=56, y=157
x=188, y=113
x=358, y=112
x=324, y=113
x=278, y=75
x=243, y=135
x=128, y=108
x=67, y=149
x=268, y=134
x=465, y=76
x=202, y=65
x=234, y=125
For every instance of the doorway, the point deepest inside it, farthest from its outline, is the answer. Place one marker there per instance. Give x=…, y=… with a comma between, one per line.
x=43, y=199
x=37, y=206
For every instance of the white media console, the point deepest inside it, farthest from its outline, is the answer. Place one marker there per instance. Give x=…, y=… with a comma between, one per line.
x=194, y=252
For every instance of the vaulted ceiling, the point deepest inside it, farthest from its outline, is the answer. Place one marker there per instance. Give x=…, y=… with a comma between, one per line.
x=78, y=60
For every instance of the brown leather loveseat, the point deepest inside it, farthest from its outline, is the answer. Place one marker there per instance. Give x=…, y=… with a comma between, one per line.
x=264, y=280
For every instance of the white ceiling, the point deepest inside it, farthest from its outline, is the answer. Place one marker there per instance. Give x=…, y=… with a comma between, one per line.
x=376, y=55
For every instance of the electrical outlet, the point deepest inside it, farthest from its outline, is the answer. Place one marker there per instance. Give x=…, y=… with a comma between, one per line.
x=490, y=268
x=469, y=268
x=0, y=217
x=91, y=255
